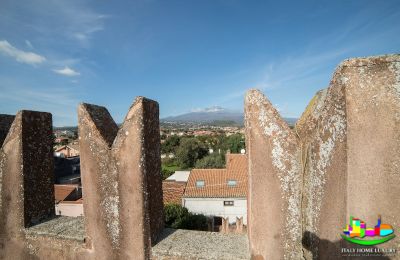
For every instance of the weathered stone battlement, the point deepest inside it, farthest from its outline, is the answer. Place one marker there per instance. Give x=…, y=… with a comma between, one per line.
x=342, y=158
x=122, y=173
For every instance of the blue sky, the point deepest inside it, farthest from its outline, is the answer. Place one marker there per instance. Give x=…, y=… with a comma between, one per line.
x=188, y=55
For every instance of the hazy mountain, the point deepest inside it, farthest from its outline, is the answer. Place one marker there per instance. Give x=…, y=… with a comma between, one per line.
x=207, y=115
x=212, y=115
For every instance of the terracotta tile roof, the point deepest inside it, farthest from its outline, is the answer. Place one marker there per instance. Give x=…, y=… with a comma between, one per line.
x=80, y=201
x=173, y=191
x=216, y=180
x=61, y=192
x=236, y=163
x=70, y=146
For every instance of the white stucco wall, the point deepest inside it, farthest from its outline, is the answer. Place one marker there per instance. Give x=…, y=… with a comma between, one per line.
x=215, y=207
x=69, y=209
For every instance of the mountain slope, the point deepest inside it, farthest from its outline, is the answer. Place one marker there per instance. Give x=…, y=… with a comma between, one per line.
x=213, y=114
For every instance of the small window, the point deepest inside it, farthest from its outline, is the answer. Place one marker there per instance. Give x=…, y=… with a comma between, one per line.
x=200, y=183
x=232, y=183
x=228, y=203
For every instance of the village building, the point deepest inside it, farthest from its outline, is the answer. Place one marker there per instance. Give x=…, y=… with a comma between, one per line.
x=219, y=193
x=174, y=187
x=66, y=151
x=68, y=200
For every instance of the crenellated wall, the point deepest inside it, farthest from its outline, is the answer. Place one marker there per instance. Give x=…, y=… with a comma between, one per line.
x=341, y=159
x=122, y=179
x=121, y=173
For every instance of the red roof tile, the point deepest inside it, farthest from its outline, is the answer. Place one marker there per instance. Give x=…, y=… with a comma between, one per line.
x=61, y=192
x=216, y=180
x=173, y=191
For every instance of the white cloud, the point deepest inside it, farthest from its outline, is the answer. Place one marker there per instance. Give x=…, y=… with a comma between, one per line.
x=208, y=109
x=67, y=71
x=21, y=56
x=55, y=23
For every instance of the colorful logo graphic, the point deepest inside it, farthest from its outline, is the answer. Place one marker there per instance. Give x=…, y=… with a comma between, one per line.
x=358, y=228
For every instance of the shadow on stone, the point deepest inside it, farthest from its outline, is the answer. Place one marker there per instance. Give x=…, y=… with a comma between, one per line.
x=166, y=232
x=325, y=249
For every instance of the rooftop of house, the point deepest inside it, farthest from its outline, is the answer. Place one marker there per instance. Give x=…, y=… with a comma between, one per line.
x=236, y=163
x=173, y=191
x=70, y=146
x=220, y=183
x=182, y=176
x=62, y=192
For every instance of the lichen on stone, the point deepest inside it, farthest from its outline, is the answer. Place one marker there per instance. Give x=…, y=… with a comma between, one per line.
x=284, y=156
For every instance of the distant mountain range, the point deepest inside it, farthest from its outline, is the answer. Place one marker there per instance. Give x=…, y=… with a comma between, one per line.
x=213, y=115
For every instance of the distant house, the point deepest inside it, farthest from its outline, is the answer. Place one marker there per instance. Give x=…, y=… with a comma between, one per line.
x=66, y=151
x=219, y=192
x=174, y=187
x=61, y=140
x=68, y=200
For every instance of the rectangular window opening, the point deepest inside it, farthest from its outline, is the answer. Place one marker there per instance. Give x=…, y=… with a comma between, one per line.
x=228, y=203
x=232, y=183
x=200, y=183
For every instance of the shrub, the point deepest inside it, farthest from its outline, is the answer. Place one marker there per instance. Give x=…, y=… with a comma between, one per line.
x=166, y=172
x=212, y=161
x=179, y=217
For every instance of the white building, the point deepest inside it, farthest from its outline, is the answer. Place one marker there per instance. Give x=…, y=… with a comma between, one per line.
x=218, y=207
x=179, y=176
x=219, y=192
x=68, y=200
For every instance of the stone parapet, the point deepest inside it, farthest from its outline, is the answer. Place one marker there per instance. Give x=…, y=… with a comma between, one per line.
x=340, y=160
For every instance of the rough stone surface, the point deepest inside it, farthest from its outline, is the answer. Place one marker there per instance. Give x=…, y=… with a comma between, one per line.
x=349, y=143
x=122, y=179
x=192, y=245
x=373, y=140
x=351, y=153
x=26, y=178
x=66, y=228
x=26, y=169
x=322, y=133
x=274, y=182
x=171, y=244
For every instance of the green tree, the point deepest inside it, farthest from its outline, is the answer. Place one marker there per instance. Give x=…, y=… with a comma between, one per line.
x=166, y=172
x=235, y=143
x=176, y=216
x=189, y=151
x=171, y=144
x=211, y=161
